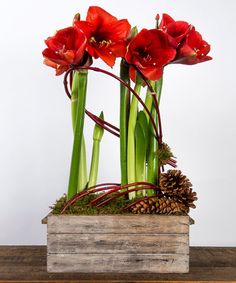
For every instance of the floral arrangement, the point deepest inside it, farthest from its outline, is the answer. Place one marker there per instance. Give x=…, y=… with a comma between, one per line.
x=145, y=187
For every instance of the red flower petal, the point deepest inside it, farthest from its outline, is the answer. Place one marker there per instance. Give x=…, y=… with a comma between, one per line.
x=118, y=49
x=132, y=73
x=194, y=38
x=165, y=21
x=150, y=51
x=152, y=73
x=48, y=53
x=107, y=56
x=205, y=47
x=153, y=44
x=176, y=30
x=50, y=63
x=193, y=50
x=98, y=17
x=69, y=56
x=62, y=38
x=106, y=35
x=138, y=40
x=80, y=45
x=86, y=27
x=66, y=47
x=60, y=69
x=116, y=31
x=53, y=44
x=186, y=51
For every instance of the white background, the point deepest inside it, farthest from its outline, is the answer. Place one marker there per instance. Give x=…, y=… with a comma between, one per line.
x=198, y=110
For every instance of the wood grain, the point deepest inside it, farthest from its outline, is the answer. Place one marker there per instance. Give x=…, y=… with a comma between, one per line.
x=118, y=243
x=113, y=224
x=21, y=264
x=119, y=263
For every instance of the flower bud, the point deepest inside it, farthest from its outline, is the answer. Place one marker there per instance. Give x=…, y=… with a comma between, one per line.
x=98, y=130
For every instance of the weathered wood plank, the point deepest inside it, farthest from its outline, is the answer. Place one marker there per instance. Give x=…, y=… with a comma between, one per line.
x=119, y=263
x=218, y=266
x=13, y=251
x=118, y=243
x=22, y=274
x=45, y=219
x=115, y=224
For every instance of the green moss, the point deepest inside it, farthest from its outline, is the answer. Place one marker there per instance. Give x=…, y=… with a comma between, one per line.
x=80, y=207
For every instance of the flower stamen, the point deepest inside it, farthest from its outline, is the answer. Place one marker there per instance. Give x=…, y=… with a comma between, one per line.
x=92, y=40
x=105, y=43
x=147, y=58
x=101, y=43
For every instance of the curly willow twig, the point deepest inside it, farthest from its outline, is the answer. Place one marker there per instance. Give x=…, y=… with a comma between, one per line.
x=68, y=72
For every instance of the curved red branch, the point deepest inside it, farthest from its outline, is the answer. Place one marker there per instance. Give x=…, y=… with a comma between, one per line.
x=120, y=188
x=126, y=192
x=118, y=79
x=102, y=123
x=102, y=187
x=94, y=189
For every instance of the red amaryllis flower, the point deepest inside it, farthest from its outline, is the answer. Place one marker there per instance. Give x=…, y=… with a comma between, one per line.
x=65, y=48
x=106, y=35
x=150, y=51
x=176, y=30
x=193, y=49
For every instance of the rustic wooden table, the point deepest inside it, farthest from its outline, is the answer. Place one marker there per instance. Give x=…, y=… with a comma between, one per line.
x=28, y=264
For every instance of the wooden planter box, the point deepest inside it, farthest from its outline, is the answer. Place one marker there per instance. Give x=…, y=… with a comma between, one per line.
x=118, y=243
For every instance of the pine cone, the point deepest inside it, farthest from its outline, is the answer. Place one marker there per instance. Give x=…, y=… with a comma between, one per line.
x=155, y=205
x=186, y=196
x=164, y=154
x=178, y=187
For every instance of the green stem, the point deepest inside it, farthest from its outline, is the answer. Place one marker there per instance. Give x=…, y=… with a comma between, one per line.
x=131, y=138
x=124, y=116
x=140, y=156
x=158, y=90
x=74, y=97
x=149, y=99
x=78, y=134
x=151, y=138
x=82, y=174
x=141, y=139
x=97, y=137
x=152, y=160
x=94, y=164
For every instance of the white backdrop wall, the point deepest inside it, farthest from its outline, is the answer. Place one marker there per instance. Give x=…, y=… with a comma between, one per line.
x=198, y=110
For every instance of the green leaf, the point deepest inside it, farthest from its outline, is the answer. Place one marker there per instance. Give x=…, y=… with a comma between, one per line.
x=141, y=146
x=97, y=137
x=124, y=117
x=142, y=119
x=131, y=137
x=140, y=143
x=78, y=135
